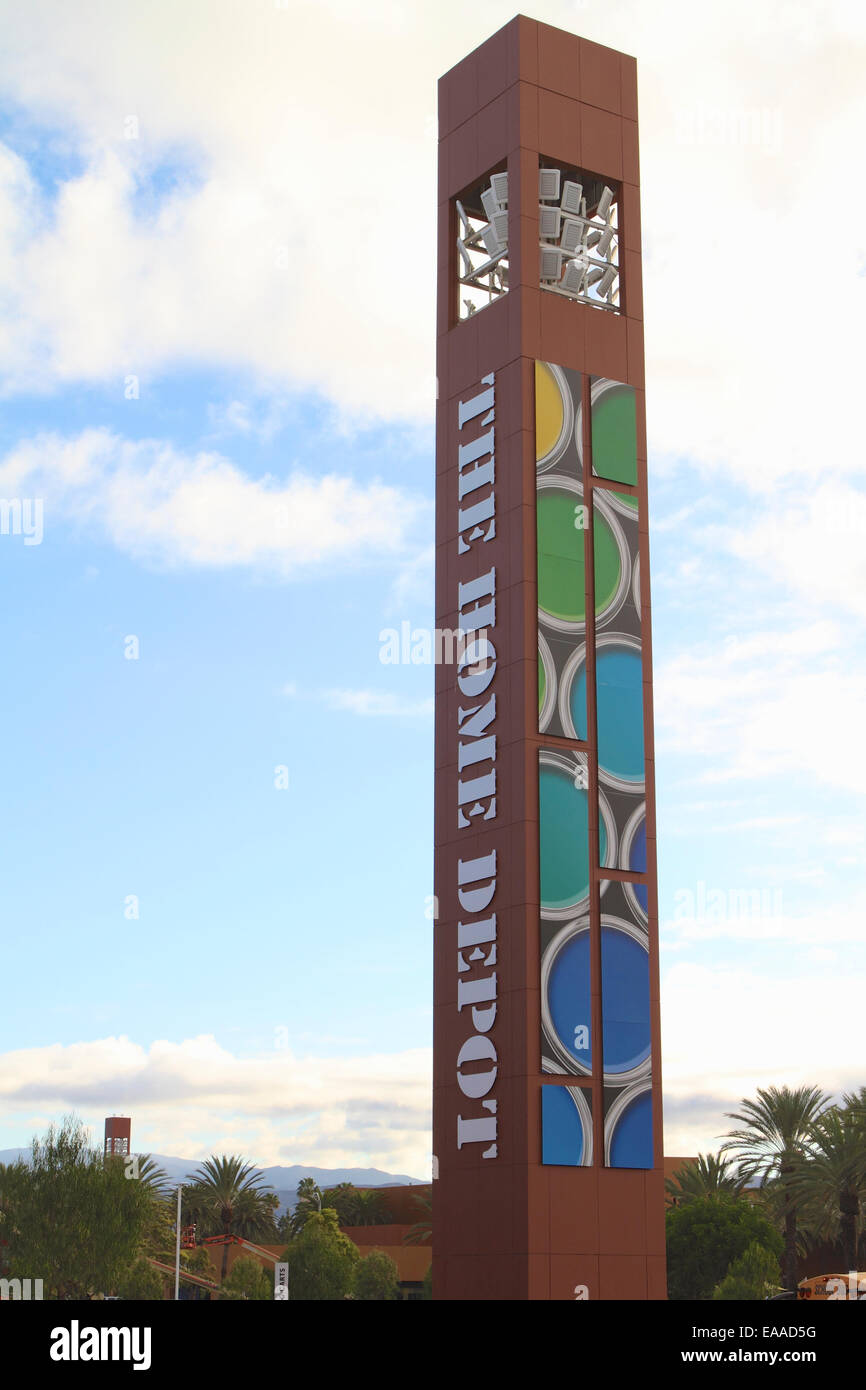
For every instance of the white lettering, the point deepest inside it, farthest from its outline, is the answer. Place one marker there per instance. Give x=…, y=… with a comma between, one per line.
x=476, y=795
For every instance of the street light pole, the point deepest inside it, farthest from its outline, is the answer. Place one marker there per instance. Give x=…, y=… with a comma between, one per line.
x=177, y=1248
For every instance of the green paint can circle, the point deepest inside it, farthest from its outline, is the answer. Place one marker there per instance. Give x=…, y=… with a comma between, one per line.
x=561, y=569
x=614, y=431
x=561, y=563
x=563, y=816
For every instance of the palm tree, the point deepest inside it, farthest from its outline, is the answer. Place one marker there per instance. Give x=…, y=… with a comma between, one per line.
x=856, y=1102
x=342, y=1199
x=709, y=1175
x=831, y=1177
x=770, y=1144
x=153, y=1177
x=228, y=1194
x=368, y=1208
x=422, y=1231
x=309, y=1199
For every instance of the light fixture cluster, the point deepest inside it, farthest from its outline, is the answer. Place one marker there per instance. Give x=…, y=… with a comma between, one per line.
x=578, y=247
x=578, y=241
x=483, y=247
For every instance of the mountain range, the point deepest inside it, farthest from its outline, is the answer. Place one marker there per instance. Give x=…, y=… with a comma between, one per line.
x=283, y=1179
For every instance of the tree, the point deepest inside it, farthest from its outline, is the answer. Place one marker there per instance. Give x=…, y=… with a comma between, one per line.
x=321, y=1259
x=343, y=1199
x=227, y=1197
x=309, y=1201
x=751, y=1276
x=355, y=1206
x=197, y=1261
x=830, y=1178
x=376, y=1278
x=705, y=1235
x=158, y=1232
x=427, y=1285
x=147, y=1171
x=771, y=1143
x=422, y=1231
x=73, y=1216
x=8, y=1179
x=141, y=1283
x=709, y=1175
x=247, y=1280
x=369, y=1209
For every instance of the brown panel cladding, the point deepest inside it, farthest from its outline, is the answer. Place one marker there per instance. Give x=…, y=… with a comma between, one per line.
x=506, y=1226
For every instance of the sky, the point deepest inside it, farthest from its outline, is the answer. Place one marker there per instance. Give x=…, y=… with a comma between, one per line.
x=223, y=394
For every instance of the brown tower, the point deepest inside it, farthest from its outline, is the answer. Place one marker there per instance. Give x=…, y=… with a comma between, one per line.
x=547, y=1091
x=118, y=1134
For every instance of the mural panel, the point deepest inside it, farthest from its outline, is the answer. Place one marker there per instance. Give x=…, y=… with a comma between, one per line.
x=619, y=673
x=563, y=774
x=561, y=521
x=563, y=825
x=566, y=1126
x=613, y=430
x=625, y=1021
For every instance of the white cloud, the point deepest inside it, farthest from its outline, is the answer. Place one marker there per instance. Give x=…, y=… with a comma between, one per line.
x=194, y=1097
x=301, y=169
x=378, y=704
x=261, y=420
x=725, y=1032
x=156, y=502
x=747, y=707
x=277, y=117
x=736, y=921
x=759, y=823
x=813, y=544
x=275, y=239
x=413, y=586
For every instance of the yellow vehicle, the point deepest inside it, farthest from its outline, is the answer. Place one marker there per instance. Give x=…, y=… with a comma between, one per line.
x=833, y=1287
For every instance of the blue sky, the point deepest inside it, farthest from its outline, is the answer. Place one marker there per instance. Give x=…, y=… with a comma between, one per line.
x=257, y=506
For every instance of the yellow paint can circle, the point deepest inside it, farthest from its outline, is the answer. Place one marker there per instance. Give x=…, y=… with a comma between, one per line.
x=549, y=411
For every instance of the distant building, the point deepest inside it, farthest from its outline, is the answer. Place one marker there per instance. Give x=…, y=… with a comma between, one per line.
x=401, y=1206
x=404, y=1210
x=118, y=1134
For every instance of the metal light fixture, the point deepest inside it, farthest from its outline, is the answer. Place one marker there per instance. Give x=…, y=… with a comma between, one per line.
x=572, y=197
x=605, y=284
x=491, y=240
x=490, y=203
x=499, y=188
x=604, y=202
x=548, y=223
x=577, y=238
x=548, y=185
x=572, y=280
x=482, y=246
x=604, y=242
x=465, y=257
x=551, y=263
x=573, y=233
